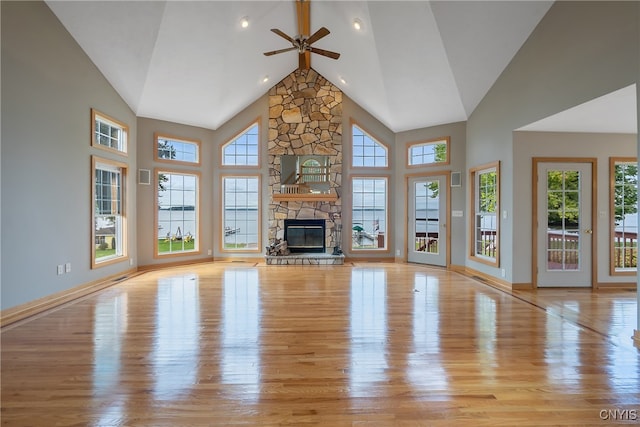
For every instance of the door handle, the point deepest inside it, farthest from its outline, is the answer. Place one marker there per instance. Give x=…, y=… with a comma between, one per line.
x=588, y=231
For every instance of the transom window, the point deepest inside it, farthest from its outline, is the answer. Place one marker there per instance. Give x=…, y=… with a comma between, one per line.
x=178, y=150
x=243, y=150
x=624, y=215
x=484, y=229
x=367, y=151
x=177, y=212
x=108, y=212
x=429, y=152
x=108, y=133
x=369, y=213
x=241, y=213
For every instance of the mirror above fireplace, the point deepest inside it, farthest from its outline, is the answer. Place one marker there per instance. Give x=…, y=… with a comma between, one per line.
x=305, y=177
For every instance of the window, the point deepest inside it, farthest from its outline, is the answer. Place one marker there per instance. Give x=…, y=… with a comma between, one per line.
x=108, y=211
x=177, y=212
x=241, y=213
x=177, y=150
x=485, y=181
x=369, y=211
x=108, y=133
x=367, y=152
x=243, y=150
x=624, y=215
x=429, y=152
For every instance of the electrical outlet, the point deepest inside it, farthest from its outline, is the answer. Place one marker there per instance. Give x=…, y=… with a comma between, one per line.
x=504, y=273
x=397, y=252
x=67, y=267
x=60, y=269
x=209, y=252
x=130, y=261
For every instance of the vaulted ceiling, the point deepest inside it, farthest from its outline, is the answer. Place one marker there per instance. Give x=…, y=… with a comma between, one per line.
x=413, y=64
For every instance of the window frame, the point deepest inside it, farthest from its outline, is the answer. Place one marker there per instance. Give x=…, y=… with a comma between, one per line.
x=198, y=237
x=258, y=123
x=386, y=231
x=434, y=141
x=124, y=132
x=377, y=141
x=474, y=175
x=121, y=234
x=157, y=136
x=613, y=161
x=221, y=223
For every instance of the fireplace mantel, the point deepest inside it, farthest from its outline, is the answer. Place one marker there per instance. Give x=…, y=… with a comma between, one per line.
x=306, y=197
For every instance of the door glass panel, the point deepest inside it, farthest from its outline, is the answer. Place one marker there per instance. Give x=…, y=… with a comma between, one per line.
x=427, y=216
x=563, y=220
x=625, y=202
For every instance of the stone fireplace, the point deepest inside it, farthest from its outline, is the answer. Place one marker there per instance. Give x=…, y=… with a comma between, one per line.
x=305, y=119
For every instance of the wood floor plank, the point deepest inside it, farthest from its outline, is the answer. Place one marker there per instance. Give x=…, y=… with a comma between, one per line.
x=354, y=345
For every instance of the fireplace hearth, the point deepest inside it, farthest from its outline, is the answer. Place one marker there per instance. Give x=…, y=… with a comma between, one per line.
x=305, y=235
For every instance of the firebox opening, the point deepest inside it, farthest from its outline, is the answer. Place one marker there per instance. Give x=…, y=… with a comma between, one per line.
x=305, y=235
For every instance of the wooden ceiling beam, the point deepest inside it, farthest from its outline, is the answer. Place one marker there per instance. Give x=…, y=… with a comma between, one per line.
x=304, y=29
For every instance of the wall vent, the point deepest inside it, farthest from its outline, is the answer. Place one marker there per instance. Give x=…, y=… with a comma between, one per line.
x=144, y=176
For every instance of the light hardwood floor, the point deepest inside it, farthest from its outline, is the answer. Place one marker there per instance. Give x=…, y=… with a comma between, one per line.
x=356, y=345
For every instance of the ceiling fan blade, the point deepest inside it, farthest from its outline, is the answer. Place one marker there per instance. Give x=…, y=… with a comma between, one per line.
x=327, y=53
x=282, y=34
x=317, y=35
x=273, y=52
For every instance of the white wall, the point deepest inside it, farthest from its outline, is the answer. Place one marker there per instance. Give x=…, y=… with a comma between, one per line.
x=48, y=88
x=578, y=52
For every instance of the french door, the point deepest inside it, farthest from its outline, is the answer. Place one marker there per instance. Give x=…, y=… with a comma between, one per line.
x=564, y=224
x=427, y=208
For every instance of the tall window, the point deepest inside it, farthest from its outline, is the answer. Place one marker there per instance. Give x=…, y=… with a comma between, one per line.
x=624, y=215
x=108, y=133
x=177, y=212
x=486, y=201
x=429, y=152
x=243, y=150
x=241, y=213
x=108, y=211
x=367, y=152
x=369, y=213
x=177, y=150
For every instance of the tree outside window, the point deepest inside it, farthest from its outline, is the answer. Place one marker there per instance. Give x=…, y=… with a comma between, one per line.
x=624, y=209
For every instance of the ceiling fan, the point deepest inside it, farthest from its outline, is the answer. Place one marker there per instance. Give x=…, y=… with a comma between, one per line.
x=302, y=42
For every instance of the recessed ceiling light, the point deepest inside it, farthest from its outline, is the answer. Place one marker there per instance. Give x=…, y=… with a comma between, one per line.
x=357, y=24
x=265, y=79
x=342, y=80
x=244, y=22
